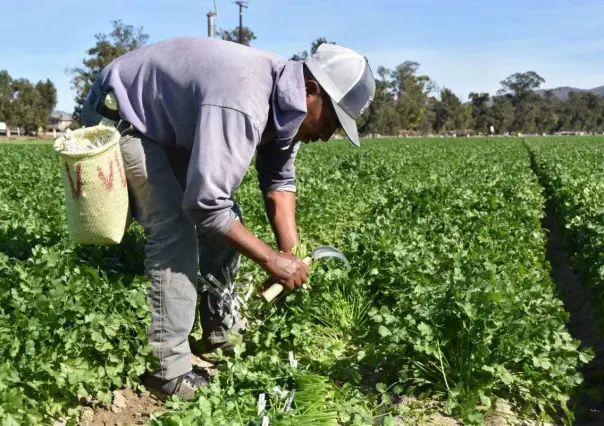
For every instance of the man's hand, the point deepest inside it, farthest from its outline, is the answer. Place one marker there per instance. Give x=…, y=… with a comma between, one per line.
x=282, y=268
x=287, y=270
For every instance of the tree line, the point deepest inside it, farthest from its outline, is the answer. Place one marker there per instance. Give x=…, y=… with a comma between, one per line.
x=406, y=101
x=26, y=106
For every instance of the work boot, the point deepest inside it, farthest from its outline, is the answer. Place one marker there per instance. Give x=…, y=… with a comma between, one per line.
x=184, y=386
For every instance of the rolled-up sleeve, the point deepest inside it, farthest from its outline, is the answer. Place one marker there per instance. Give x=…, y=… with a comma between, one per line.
x=224, y=145
x=275, y=167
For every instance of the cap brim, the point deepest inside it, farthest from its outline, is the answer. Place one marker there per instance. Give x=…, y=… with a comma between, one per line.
x=348, y=124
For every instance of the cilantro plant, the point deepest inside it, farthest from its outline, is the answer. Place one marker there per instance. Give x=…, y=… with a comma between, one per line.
x=447, y=298
x=573, y=175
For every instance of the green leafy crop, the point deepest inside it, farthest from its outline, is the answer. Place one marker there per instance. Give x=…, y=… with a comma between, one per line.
x=447, y=298
x=573, y=175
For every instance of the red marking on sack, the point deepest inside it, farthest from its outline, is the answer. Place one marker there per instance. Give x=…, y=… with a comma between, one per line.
x=107, y=181
x=120, y=166
x=76, y=189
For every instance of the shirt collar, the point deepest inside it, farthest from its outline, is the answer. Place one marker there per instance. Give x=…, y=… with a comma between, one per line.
x=288, y=102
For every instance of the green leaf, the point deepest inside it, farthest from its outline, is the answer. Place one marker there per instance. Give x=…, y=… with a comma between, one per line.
x=585, y=357
x=390, y=421
x=384, y=332
x=381, y=387
x=14, y=348
x=425, y=329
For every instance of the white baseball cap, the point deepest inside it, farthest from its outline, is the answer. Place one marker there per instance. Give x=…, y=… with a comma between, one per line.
x=348, y=80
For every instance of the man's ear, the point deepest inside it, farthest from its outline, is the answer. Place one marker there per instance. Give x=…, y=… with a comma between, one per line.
x=312, y=88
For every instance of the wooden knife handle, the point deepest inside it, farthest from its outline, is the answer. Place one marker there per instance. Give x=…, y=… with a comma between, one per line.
x=276, y=289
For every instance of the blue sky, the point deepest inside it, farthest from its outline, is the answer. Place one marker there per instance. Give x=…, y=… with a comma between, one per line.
x=464, y=45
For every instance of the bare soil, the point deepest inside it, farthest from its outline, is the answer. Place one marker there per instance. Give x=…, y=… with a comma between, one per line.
x=130, y=407
x=429, y=413
x=137, y=411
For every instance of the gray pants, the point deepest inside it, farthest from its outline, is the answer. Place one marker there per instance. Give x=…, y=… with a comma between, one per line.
x=156, y=178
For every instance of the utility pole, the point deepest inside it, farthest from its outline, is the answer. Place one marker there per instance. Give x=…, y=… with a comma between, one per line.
x=211, y=27
x=241, y=5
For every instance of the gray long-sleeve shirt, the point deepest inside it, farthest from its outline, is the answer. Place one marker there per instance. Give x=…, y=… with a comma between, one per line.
x=223, y=102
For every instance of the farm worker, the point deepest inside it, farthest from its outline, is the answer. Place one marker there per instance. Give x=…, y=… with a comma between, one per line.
x=192, y=113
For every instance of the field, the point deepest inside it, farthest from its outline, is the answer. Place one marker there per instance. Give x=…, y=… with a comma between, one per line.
x=452, y=310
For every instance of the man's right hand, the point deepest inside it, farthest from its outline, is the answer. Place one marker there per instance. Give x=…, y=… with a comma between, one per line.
x=287, y=270
x=282, y=268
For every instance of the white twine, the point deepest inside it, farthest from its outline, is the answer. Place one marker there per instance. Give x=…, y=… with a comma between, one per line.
x=293, y=361
x=288, y=405
x=261, y=403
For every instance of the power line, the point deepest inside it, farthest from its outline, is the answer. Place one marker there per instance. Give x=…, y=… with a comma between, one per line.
x=217, y=14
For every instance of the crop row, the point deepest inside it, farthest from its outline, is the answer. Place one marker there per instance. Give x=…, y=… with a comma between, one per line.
x=573, y=176
x=448, y=294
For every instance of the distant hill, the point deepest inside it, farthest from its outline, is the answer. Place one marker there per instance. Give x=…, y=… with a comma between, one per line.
x=559, y=92
x=60, y=115
x=562, y=92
